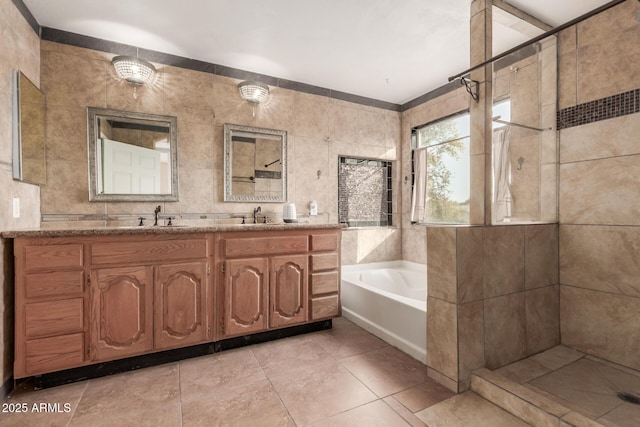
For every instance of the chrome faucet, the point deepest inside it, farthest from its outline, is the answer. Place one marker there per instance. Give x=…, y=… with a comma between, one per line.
x=156, y=212
x=255, y=214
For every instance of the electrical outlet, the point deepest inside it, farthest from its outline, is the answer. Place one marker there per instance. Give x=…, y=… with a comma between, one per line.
x=16, y=207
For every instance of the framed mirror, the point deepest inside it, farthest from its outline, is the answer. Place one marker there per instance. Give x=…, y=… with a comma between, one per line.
x=29, y=161
x=255, y=164
x=132, y=156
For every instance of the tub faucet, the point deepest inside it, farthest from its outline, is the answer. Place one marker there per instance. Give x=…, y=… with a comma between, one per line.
x=255, y=214
x=156, y=212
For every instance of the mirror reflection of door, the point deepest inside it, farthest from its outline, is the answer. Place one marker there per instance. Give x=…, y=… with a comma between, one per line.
x=129, y=169
x=133, y=158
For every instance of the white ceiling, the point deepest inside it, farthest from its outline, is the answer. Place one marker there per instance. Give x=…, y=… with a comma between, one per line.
x=390, y=50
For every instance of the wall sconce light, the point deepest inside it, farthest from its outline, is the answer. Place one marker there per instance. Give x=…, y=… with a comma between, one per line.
x=134, y=70
x=255, y=92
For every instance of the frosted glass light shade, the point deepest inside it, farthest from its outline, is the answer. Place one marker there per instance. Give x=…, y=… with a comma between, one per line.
x=255, y=92
x=133, y=70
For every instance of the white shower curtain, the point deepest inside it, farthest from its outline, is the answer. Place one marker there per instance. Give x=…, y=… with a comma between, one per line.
x=501, y=208
x=419, y=196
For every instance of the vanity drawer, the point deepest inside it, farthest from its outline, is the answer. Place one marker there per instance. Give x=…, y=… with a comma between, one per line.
x=147, y=251
x=52, y=256
x=324, y=261
x=324, y=242
x=52, y=354
x=324, y=283
x=58, y=283
x=251, y=246
x=54, y=317
x=322, y=307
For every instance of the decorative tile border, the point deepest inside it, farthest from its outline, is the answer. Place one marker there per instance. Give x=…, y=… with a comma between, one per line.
x=600, y=109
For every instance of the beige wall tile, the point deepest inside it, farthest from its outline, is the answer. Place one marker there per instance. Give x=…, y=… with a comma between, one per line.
x=542, y=318
x=541, y=255
x=606, y=138
x=62, y=144
x=601, y=191
x=601, y=258
x=504, y=330
x=442, y=337
x=441, y=263
x=477, y=204
x=469, y=264
x=414, y=244
x=503, y=260
x=83, y=88
x=599, y=323
x=470, y=341
x=608, y=60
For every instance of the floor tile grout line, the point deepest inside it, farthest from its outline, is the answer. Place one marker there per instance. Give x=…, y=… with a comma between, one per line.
x=275, y=390
x=73, y=413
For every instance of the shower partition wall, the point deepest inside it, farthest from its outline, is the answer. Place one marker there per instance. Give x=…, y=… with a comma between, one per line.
x=524, y=146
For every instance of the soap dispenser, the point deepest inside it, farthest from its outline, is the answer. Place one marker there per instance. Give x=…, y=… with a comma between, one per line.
x=289, y=213
x=313, y=208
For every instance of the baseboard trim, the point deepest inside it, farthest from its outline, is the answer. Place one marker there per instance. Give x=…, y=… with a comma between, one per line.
x=144, y=361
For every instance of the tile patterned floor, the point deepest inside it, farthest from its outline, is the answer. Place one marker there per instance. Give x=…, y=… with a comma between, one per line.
x=340, y=377
x=583, y=383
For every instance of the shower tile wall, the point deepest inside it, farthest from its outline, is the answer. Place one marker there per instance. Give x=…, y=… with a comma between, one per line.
x=493, y=297
x=599, y=198
x=319, y=130
x=19, y=50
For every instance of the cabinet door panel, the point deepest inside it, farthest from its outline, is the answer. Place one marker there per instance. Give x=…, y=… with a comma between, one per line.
x=121, y=311
x=289, y=290
x=180, y=299
x=246, y=296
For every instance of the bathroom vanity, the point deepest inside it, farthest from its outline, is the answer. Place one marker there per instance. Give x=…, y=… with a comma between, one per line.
x=84, y=297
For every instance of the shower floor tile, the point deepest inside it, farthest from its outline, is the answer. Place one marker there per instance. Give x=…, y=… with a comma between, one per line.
x=582, y=383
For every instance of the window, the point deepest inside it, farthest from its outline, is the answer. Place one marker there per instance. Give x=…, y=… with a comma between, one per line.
x=364, y=192
x=441, y=171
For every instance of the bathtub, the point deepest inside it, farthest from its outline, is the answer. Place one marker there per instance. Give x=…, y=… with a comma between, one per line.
x=389, y=299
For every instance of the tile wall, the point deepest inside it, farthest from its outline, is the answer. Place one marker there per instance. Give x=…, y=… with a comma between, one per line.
x=319, y=130
x=598, y=194
x=20, y=49
x=492, y=297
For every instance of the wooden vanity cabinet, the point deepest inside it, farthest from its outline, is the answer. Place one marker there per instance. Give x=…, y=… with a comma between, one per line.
x=50, y=306
x=84, y=300
x=148, y=294
x=266, y=276
x=324, y=278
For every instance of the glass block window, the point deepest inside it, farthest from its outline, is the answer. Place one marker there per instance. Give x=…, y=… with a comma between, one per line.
x=364, y=192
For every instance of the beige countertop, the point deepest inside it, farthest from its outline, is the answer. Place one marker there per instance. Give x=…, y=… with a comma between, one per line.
x=176, y=229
